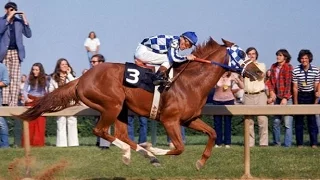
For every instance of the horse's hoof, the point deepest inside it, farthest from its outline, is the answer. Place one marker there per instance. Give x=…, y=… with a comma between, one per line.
x=199, y=165
x=126, y=160
x=155, y=162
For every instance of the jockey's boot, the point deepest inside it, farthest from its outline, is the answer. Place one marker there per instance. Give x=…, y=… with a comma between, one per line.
x=159, y=76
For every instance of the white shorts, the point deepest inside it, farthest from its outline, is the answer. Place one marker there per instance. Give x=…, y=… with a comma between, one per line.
x=147, y=56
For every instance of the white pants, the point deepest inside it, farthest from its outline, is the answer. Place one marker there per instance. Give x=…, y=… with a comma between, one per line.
x=147, y=56
x=62, y=132
x=258, y=99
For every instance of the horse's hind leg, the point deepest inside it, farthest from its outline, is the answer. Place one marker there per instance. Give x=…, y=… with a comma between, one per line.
x=121, y=132
x=108, y=101
x=201, y=126
x=101, y=130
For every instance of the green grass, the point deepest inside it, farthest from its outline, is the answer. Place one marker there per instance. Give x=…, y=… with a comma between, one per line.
x=89, y=162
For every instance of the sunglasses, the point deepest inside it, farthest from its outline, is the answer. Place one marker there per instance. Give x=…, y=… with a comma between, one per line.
x=13, y=9
x=94, y=62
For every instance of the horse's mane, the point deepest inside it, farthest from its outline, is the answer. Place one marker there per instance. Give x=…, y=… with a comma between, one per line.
x=206, y=48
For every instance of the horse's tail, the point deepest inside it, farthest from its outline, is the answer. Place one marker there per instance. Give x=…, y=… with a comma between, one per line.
x=59, y=99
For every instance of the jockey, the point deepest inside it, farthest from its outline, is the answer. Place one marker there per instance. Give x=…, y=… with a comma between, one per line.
x=164, y=50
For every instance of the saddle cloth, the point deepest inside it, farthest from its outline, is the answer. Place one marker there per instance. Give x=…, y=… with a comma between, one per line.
x=138, y=77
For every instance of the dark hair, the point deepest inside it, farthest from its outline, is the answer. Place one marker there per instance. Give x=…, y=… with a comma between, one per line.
x=95, y=36
x=228, y=73
x=267, y=75
x=285, y=53
x=56, y=74
x=304, y=52
x=252, y=48
x=11, y=5
x=100, y=57
x=40, y=80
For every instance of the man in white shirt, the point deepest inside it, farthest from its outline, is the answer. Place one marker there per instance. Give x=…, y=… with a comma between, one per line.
x=254, y=94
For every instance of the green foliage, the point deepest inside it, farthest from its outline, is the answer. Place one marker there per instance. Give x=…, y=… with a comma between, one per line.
x=86, y=123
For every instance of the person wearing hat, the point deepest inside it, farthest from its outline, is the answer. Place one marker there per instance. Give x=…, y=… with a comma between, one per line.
x=12, y=52
x=164, y=50
x=13, y=25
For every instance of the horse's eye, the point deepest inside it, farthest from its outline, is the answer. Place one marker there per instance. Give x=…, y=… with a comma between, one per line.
x=241, y=54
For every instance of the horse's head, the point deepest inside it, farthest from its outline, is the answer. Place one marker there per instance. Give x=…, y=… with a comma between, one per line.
x=239, y=61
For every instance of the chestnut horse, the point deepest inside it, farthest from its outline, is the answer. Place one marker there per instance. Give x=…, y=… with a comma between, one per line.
x=102, y=88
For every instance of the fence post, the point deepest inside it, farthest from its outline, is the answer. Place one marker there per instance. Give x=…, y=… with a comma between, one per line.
x=247, y=174
x=26, y=143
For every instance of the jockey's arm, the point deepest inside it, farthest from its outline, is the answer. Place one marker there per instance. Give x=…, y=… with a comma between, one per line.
x=173, y=52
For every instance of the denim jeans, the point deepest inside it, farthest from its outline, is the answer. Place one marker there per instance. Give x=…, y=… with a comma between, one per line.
x=142, y=130
x=225, y=136
x=90, y=54
x=4, y=133
x=4, y=130
x=287, y=124
x=306, y=98
x=318, y=119
x=318, y=122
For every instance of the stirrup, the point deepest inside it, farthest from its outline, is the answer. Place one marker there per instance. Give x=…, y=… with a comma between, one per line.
x=159, y=81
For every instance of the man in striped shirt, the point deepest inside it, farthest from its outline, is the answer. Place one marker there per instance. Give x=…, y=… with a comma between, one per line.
x=164, y=50
x=305, y=78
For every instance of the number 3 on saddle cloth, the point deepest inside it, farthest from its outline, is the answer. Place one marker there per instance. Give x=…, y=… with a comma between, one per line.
x=139, y=77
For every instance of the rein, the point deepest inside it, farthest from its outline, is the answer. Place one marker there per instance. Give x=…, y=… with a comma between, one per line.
x=176, y=77
x=219, y=64
x=241, y=70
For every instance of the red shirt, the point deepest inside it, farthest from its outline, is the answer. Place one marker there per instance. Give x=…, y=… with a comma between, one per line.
x=281, y=86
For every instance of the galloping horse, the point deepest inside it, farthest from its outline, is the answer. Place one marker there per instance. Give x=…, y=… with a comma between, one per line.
x=102, y=88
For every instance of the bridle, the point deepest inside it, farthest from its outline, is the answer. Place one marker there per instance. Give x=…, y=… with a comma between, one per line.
x=235, y=60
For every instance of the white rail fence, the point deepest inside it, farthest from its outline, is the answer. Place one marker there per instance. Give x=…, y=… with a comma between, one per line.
x=246, y=110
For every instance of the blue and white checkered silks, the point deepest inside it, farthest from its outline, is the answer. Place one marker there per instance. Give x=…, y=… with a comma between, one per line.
x=159, y=44
x=165, y=44
x=238, y=58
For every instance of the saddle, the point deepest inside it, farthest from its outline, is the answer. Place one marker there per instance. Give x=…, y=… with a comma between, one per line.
x=154, y=68
x=138, y=62
x=156, y=94
x=141, y=75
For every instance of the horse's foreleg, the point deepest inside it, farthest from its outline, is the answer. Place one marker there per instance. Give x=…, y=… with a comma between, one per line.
x=174, y=132
x=121, y=132
x=201, y=126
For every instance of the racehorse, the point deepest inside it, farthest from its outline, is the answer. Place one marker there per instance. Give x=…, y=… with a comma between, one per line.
x=102, y=88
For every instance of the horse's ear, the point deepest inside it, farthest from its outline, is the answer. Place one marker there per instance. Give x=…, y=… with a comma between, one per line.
x=227, y=43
